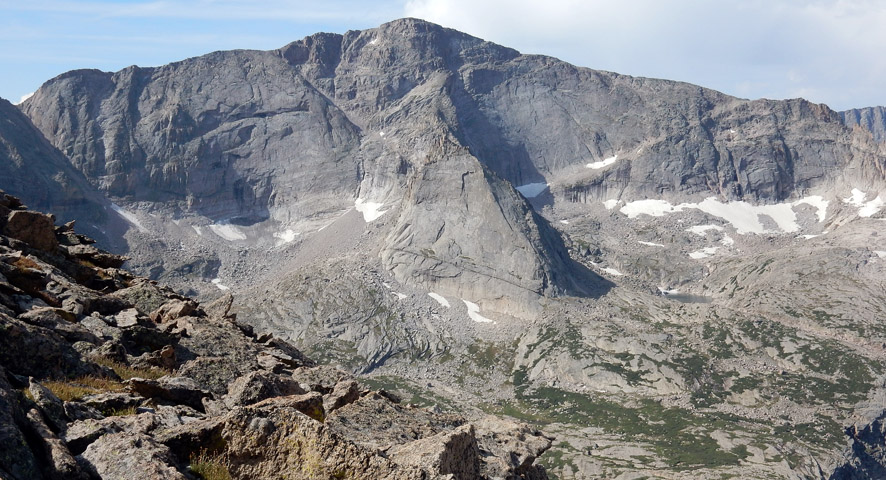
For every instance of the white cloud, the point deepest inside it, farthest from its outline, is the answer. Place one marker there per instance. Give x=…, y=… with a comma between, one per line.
x=826, y=50
x=25, y=97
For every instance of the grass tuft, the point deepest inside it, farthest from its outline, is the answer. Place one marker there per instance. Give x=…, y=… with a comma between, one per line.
x=211, y=466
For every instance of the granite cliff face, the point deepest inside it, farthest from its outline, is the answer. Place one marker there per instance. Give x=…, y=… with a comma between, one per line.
x=297, y=134
x=872, y=119
x=31, y=166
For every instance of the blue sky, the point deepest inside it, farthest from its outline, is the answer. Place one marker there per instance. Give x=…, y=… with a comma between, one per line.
x=828, y=51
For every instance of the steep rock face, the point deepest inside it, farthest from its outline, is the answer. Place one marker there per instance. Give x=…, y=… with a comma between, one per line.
x=512, y=257
x=34, y=170
x=224, y=135
x=872, y=119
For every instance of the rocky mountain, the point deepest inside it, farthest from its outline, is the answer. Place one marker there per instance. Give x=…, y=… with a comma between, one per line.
x=107, y=375
x=872, y=119
x=665, y=278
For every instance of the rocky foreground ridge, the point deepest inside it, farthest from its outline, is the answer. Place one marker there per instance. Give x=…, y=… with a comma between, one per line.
x=107, y=375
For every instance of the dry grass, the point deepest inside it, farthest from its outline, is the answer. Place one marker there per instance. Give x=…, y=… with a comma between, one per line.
x=126, y=372
x=25, y=263
x=211, y=466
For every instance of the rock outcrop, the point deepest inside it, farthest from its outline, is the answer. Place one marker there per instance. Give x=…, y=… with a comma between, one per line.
x=106, y=375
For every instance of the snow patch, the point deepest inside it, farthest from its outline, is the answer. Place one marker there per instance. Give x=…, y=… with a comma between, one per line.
x=373, y=41
x=744, y=216
x=612, y=272
x=129, y=217
x=610, y=204
x=564, y=222
x=474, y=312
x=703, y=253
x=217, y=283
x=865, y=209
x=440, y=299
x=702, y=229
x=228, y=232
x=370, y=210
x=818, y=202
x=400, y=296
x=727, y=241
x=880, y=253
x=532, y=190
x=856, y=199
x=381, y=134
x=808, y=237
x=605, y=163
x=655, y=208
x=870, y=208
x=198, y=230
x=285, y=237
x=665, y=291
x=650, y=244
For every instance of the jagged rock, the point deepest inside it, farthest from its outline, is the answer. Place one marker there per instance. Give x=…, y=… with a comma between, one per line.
x=345, y=392
x=17, y=462
x=144, y=295
x=34, y=228
x=126, y=318
x=375, y=422
x=179, y=390
x=164, y=358
x=221, y=307
x=61, y=322
x=110, y=350
x=112, y=401
x=131, y=455
x=257, y=386
x=173, y=310
x=286, y=353
x=322, y=378
x=447, y=453
x=78, y=411
x=510, y=448
x=52, y=408
x=38, y=352
x=95, y=256
x=311, y=404
x=59, y=463
x=285, y=443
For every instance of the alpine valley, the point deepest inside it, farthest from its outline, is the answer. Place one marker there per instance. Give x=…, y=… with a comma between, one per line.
x=668, y=281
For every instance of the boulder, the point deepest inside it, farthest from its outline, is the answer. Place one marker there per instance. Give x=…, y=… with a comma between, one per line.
x=34, y=228
x=257, y=386
x=52, y=408
x=172, y=310
x=345, y=392
x=58, y=461
x=177, y=390
x=16, y=459
x=452, y=452
x=133, y=456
